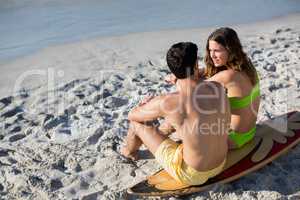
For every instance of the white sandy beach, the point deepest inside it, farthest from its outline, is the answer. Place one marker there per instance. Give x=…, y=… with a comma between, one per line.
x=63, y=113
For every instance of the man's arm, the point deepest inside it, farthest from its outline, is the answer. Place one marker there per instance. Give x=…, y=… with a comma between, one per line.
x=149, y=111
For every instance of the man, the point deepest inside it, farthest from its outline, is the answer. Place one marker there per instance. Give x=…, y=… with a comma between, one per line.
x=200, y=114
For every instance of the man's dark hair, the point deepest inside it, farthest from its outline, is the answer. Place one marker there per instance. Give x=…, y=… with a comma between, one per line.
x=181, y=59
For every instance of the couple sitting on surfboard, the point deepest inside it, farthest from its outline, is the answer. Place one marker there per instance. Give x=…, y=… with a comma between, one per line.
x=209, y=116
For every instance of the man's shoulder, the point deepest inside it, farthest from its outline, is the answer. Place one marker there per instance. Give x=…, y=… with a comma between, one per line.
x=169, y=97
x=166, y=97
x=169, y=102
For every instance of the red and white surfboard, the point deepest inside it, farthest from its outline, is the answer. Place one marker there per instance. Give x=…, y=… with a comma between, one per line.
x=269, y=143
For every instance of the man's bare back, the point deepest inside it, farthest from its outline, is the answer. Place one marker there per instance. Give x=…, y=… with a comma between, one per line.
x=200, y=116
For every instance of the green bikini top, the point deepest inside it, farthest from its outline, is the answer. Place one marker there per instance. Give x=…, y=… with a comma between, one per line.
x=237, y=103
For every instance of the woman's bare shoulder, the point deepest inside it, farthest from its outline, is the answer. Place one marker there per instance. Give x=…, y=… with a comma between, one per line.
x=224, y=76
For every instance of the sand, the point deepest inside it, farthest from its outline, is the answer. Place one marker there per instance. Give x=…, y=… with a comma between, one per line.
x=63, y=113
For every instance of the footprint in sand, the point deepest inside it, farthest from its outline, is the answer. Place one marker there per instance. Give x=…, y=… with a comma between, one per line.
x=273, y=40
x=78, y=168
x=6, y=101
x=84, y=185
x=269, y=67
x=59, y=165
x=255, y=52
x=55, y=121
x=55, y=184
x=4, y=152
x=94, y=138
x=70, y=110
x=36, y=181
x=15, y=129
x=16, y=137
x=115, y=102
x=80, y=95
x=12, y=112
x=92, y=196
x=71, y=85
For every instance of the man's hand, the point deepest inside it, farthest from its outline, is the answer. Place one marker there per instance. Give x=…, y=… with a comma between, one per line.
x=171, y=79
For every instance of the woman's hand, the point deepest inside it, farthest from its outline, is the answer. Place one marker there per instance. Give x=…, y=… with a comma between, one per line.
x=171, y=79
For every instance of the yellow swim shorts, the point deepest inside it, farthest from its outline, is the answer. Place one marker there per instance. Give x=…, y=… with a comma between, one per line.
x=170, y=156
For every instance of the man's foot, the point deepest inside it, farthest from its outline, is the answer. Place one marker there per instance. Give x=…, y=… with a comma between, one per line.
x=131, y=155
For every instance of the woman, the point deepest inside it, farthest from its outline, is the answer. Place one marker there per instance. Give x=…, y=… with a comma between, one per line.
x=227, y=64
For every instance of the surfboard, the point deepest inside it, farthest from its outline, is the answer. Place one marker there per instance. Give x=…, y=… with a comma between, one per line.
x=273, y=138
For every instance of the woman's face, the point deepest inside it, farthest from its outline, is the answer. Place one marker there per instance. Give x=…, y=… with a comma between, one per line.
x=218, y=53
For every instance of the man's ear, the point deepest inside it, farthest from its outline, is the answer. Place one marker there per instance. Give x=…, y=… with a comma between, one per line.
x=196, y=64
x=196, y=70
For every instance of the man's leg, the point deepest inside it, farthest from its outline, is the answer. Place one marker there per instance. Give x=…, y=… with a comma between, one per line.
x=141, y=134
x=132, y=144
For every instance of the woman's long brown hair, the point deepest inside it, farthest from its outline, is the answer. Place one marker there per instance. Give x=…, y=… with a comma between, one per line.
x=237, y=59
